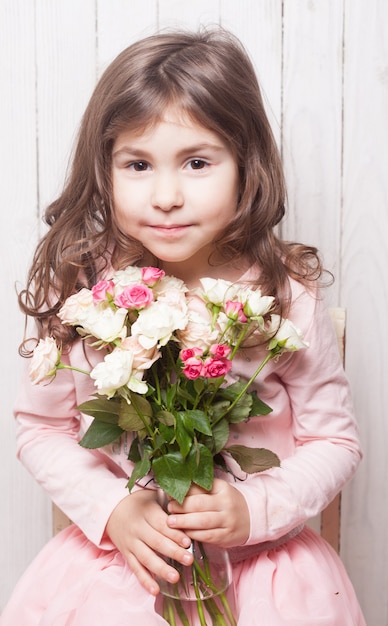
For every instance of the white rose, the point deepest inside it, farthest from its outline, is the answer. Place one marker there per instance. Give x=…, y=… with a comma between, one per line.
x=44, y=360
x=99, y=320
x=156, y=324
x=288, y=337
x=113, y=372
x=104, y=323
x=255, y=305
x=218, y=291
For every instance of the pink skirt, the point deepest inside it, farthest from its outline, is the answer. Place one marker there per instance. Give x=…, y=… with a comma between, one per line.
x=73, y=583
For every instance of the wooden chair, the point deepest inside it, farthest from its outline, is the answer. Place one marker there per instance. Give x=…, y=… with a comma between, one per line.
x=329, y=523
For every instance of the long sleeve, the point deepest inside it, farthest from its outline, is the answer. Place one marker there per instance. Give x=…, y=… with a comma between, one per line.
x=312, y=429
x=85, y=484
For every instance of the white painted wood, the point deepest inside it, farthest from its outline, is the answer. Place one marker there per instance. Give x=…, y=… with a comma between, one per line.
x=24, y=520
x=191, y=15
x=120, y=23
x=365, y=294
x=259, y=27
x=324, y=69
x=65, y=62
x=311, y=131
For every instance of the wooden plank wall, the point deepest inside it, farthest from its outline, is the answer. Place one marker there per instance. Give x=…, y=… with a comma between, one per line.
x=324, y=70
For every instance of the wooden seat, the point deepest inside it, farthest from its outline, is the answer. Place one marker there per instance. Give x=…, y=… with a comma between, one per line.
x=330, y=518
x=330, y=523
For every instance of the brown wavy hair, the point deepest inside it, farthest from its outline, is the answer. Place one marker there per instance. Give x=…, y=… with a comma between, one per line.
x=210, y=76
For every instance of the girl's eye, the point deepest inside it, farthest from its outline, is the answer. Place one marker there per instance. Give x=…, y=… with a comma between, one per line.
x=139, y=166
x=197, y=164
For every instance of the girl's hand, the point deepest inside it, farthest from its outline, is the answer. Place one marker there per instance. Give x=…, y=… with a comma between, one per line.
x=220, y=516
x=138, y=528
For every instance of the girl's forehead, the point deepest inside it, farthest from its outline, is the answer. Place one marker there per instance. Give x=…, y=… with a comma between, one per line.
x=175, y=117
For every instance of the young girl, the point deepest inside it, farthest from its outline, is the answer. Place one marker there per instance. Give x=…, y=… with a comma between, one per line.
x=176, y=167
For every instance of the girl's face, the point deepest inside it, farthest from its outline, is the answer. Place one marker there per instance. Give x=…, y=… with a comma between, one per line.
x=175, y=188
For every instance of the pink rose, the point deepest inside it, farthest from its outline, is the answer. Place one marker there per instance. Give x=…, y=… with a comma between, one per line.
x=214, y=368
x=193, y=368
x=151, y=275
x=220, y=350
x=188, y=353
x=134, y=297
x=100, y=289
x=234, y=310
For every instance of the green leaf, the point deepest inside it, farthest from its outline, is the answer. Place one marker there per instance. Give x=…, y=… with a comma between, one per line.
x=165, y=417
x=167, y=433
x=102, y=409
x=217, y=409
x=199, y=386
x=220, y=435
x=134, y=452
x=184, y=394
x=100, y=434
x=129, y=418
x=199, y=421
x=253, y=460
x=201, y=466
x=241, y=410
x=183, y=436
x=233, y=390
x=258, y=406
x=173, y=475
x=141, y=469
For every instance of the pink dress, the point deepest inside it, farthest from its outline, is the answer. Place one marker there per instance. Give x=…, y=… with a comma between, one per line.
x=80, y=579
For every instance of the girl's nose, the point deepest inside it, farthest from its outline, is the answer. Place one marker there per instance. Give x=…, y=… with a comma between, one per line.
x=166, y=193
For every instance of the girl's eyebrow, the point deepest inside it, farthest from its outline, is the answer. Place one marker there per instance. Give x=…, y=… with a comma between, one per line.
x=194, y=149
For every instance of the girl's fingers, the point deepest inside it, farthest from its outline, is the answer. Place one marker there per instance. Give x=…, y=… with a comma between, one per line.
x=220, y=516
x=145, y=563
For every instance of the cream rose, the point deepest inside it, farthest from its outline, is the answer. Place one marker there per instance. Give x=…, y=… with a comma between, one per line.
x=288, y=336
x=44, y=361
x=116, y=371
x=218, y=291
x=255, y=305
x=142, y=358
x=156, y=324
x=197, y=332
x=77, y=307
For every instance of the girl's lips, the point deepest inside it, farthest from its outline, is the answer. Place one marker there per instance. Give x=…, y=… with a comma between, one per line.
x=170, y=229
x=168, y=226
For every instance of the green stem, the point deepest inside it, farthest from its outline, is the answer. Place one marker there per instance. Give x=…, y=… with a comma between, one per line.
x=169, y=614
x=62, y=366
x=197, y=592
x=157, y=388
x=271, y=354
x=207, y=578
x=239, y=341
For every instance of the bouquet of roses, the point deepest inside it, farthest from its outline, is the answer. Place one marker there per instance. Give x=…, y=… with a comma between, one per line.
x=164, y=376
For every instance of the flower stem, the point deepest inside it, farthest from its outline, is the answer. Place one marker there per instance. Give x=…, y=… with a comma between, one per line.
x=197, y=592
x=62, y=366
x=271, y=354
